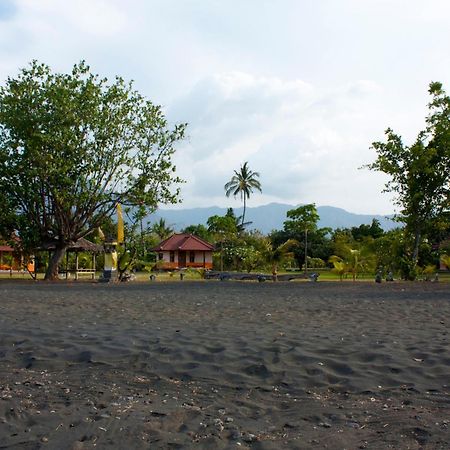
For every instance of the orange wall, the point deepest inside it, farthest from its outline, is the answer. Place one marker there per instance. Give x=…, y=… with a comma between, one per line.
x=165, y=265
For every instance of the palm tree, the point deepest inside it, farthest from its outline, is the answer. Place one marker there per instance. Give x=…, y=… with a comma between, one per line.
x=243, y=182
x=161, y=229
x=445, y=259
x=275, y=256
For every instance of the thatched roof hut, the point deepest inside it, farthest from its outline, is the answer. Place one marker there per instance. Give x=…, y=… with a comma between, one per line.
x=82, y=245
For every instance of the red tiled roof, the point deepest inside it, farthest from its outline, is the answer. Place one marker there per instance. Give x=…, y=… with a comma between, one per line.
x=184, y=242
x=6, y=248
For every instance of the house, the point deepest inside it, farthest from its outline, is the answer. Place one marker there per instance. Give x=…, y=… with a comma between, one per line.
x=182, y=250
x=11, y=260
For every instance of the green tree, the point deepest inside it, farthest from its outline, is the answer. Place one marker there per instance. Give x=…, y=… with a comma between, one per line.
x=243, y=182
x=373, y=230
x=302, y=219
x=420, y=173
x=72, y=146
x=246, y=250
x=222, y=228
x=198, y=230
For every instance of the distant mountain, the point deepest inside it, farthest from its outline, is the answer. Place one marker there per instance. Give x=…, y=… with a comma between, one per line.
x=268, y=217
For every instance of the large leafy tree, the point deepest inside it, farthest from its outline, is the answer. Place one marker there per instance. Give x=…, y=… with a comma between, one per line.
x=242, y=183
x=74, y=145
x=420, y=173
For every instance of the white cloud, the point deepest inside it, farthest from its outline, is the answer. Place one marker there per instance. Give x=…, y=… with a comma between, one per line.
x=307, y=145
x=298, y=88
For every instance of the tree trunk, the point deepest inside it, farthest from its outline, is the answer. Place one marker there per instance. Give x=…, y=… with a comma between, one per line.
x=275, y=272
x=415, y=254
x=52, y=269
x=243, y=213
x=306, y=251
x=144, y=250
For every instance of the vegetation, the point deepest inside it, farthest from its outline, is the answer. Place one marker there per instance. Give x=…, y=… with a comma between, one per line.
x=420, y=175
x=72, y=146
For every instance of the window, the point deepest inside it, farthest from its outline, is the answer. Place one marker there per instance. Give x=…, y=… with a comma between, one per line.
x=191, y=257
x=160, y=256
x=172, y=256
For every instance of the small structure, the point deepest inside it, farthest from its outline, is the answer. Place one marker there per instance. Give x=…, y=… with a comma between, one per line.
x=82, y=245
x=183, y=250
x=12, y=260
x=110, y=266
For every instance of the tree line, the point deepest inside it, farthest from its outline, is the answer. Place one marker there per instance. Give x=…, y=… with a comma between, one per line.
x=74, y=145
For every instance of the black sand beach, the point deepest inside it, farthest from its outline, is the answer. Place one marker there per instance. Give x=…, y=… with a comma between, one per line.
x=224, y=365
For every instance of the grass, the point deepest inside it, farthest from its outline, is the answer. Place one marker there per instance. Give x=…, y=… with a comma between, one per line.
x=191, y=275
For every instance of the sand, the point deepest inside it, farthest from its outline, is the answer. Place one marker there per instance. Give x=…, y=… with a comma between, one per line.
x=224, y=365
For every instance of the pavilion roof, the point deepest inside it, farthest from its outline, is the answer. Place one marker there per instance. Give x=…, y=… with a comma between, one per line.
x=82, y=245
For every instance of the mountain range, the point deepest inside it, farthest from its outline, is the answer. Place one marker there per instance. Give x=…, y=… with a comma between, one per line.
x=269, y=217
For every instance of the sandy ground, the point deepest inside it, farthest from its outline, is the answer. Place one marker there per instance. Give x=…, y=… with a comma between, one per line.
x=224, y=365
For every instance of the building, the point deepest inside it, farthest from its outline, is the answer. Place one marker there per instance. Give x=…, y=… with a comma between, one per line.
x=183, y=250
x=13, y=261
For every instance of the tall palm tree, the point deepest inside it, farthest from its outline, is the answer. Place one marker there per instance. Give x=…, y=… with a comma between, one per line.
x=243, y=182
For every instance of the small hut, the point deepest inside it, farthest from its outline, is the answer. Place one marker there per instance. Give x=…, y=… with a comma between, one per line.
x=80, y=246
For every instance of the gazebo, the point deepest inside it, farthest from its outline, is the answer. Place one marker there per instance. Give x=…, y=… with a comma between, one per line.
x=82, y=245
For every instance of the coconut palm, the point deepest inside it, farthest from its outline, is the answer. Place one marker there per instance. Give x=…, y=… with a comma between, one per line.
x=243, y=182
x=161, y=229
x=275, y=256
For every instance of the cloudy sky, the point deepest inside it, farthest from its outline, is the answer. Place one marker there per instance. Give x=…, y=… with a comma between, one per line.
x=298, y=88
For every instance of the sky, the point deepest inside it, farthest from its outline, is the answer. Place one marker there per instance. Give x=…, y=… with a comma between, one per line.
x=298, y=88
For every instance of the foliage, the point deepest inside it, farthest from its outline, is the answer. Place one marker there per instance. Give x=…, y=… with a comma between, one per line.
x=319, y=243
x=420, y=173
x=222, y=226
x=339, y=266
x=318, y=239
x=242, y=256
x=199, y=230
x=275, y=255
x=373, y=230
x=428, y=271
x=71, y=147
x=355, y=256
x=446, y=260
x=161, y=229
x=243, y=182
x=316, y=263
x=302, y=218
